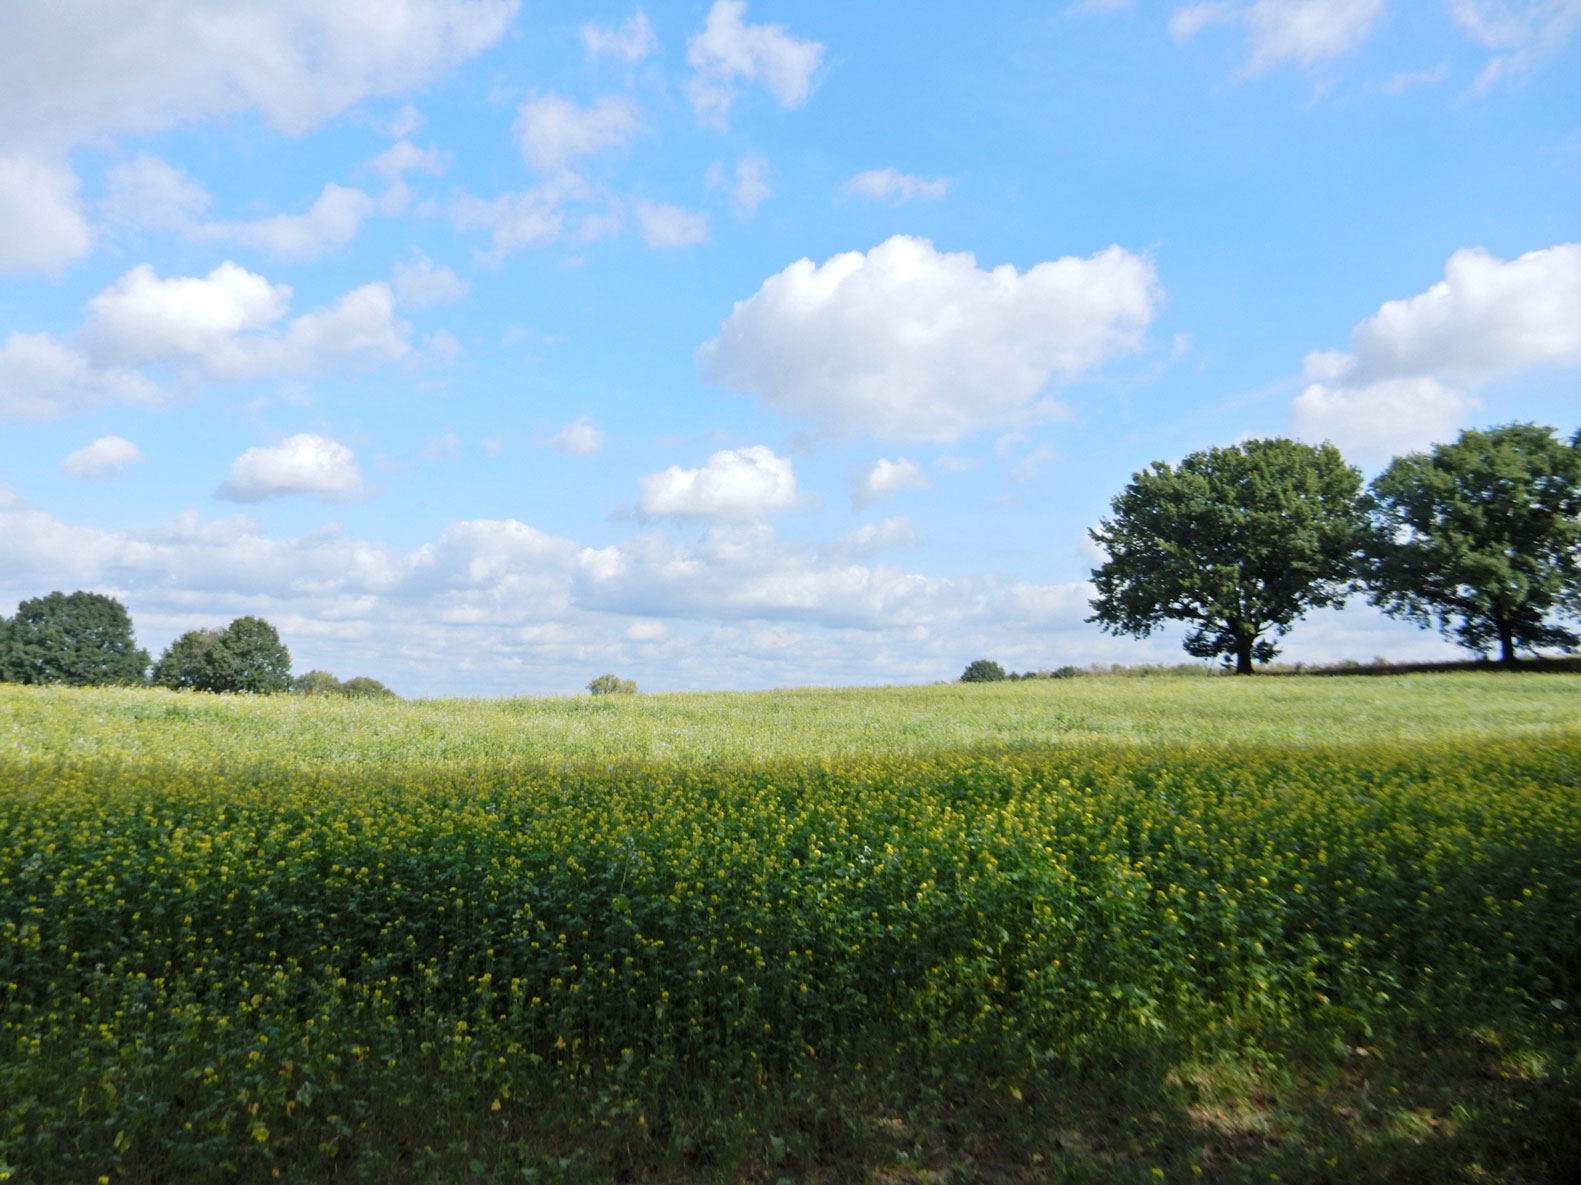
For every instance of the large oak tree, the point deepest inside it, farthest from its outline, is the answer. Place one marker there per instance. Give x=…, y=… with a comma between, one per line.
x=81, y=639
x=1483, y=538
x=1237, y=542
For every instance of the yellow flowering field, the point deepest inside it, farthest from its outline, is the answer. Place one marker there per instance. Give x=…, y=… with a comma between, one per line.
x=714, y=937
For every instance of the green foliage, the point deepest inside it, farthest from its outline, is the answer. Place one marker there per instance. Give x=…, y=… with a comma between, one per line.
x=246, y=656
x=81, y=639
x=316, y=683
x=1483, y=537
x=362, y=687
x=1237, y=542
x=612, y=685
x=340, y=939
x=323, y=683
x=182, y=667
x=983, y=670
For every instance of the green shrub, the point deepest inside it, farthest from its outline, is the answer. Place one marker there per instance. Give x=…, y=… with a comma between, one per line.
x=983, y=670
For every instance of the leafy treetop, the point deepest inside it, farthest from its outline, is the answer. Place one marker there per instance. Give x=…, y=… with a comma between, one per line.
x=81, y=639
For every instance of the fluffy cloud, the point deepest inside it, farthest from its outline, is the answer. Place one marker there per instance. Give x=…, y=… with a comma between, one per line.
x=332, y=221
x=884, y=479
x=422, y=282
x=105, y=459
x=554, y=131
x=500, y=607
x=533, y=217
x=146, y=192
x=307, y=465
x=670, y=226
x=912, y=344
x=728, y=50
x=889, y=185
x=404, y=157
x=1414, y=366
x=580, y=437
x=1375, y=420
x=142, y=318
x=207, y=322
x=1303, y=32
x=42, y=379
x=223, y=327
x=42, y=227
x=631, y=42
x=299, y=62
x=735, y=484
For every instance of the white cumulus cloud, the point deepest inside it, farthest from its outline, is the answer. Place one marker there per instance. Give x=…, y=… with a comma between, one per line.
x=305, y=464
x=554, y=131
x=896, y=187
x=142, y=318
x=331, y=222
x=884, y=479
x=90, y=70
x=532, y=217
x=70, y=73
x=742, y=483
x=44, y=379
x=909, y=343
x=228, y=326
x=422, y=282
x=631, y=41
x=580, y=437
x=728, y=51
x=1415, y=366
x=105, y=459
x=42, y=227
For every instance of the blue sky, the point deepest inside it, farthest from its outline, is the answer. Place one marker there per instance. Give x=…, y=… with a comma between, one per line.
x=484, y=347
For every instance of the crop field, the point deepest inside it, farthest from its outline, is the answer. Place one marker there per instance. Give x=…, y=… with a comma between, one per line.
x=1095, y=929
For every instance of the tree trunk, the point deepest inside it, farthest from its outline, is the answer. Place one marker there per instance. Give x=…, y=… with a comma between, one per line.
x=1243, y=654
x=1506, y=646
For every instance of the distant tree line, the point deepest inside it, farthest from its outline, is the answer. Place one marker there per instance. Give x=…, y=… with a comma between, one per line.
x=85, y=639
x=1480, y=538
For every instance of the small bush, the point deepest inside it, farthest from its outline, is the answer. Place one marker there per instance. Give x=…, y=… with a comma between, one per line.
x=612, y=685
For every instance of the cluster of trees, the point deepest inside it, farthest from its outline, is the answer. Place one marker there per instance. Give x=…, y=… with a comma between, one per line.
x=85, y=639
x=612, y=685
x=985, y=670
x=1481, y=537
x=323, y=683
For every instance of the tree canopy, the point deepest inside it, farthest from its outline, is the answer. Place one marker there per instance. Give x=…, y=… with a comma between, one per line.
x=81, y=639
x=1483, y=538
x=1238, y=542
x=612, y=685
x=983, y=670
x=245, y=656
